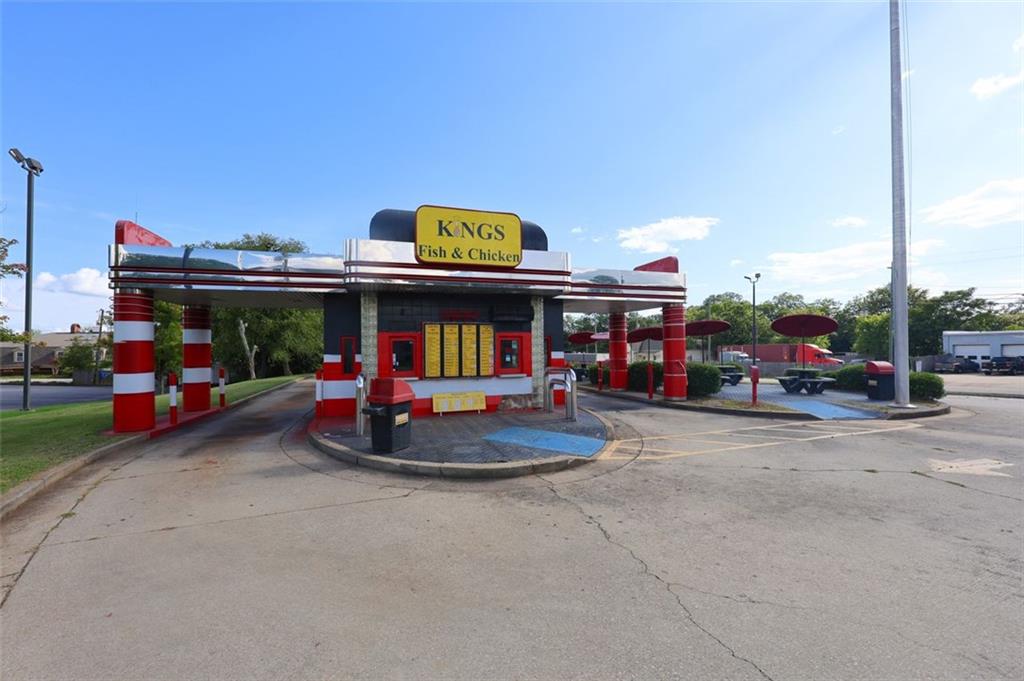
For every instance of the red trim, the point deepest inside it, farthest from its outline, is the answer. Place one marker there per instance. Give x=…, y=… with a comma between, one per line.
x=667, y=264
x=134, y=412
x=128, y=233
x=202, y=270
x=384, y=368
x=525, y=364
x=339, y=406
x=436, y=266
x=196, y=355
x=196, y=396
x=133, y=357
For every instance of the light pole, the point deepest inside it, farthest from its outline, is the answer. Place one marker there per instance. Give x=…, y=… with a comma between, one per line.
x=753, y=311
x=33, y=169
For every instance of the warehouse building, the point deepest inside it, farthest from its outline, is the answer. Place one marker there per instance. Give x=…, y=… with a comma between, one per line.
x=982, y=346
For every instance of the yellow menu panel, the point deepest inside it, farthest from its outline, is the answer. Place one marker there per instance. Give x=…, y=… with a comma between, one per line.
x=451, y=350
x=469, y=350
x=486, y=350
x=470, y=401
x=432, y=350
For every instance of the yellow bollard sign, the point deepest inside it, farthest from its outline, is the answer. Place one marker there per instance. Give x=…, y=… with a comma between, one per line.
x=469, y=401
x=455, y=236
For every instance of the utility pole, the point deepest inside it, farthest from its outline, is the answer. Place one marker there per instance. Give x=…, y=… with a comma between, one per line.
x=901, y=341
x=33, y=169
x=97, y=349
x=753, y=314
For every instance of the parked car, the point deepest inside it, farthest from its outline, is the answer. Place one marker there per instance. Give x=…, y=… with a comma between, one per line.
x=957, y=365
x=1005, y=365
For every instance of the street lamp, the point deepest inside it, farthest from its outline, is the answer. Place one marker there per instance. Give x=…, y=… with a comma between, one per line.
x=33, y=169
x=753, y=311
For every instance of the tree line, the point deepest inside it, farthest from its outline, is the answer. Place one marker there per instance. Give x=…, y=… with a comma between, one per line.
x=863, y=321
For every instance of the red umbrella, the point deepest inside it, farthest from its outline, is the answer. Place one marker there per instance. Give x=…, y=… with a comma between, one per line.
x=598, y=336
x=804, y=325
x=648, y=333
x=581, y=338
x=707, y=327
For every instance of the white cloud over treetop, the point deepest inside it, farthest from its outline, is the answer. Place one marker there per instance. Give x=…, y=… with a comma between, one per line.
x=845, y=263
x=994, y=203
x=86, y=281
x=659, y=237
x=849, y=221
x=986, y=88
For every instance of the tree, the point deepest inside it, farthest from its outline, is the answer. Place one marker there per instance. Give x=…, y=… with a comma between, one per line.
x=167, y=338
x=13, y=270
x=872, y=335
x=76, y=357
x=266, y=341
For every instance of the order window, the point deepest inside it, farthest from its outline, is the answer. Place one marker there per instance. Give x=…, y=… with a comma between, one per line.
x=403, y=354
x=509, y=354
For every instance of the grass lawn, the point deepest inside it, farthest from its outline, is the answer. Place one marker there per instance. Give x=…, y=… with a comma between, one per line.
x=33, y=441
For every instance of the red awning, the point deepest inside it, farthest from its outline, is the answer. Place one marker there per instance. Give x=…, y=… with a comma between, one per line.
x=648, y=333
x=804, y=325
x=707, y=327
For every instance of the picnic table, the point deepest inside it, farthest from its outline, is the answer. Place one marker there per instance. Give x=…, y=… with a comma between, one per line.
x=811, y=383
x=730, y=374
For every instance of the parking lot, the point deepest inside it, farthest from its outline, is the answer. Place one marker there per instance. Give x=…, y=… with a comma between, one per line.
x=980, y=384
x=699, y=546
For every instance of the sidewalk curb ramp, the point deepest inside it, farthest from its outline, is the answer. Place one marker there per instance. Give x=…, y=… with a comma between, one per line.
x=21, y=494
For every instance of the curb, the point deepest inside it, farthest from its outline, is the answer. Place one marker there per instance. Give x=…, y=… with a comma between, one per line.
x=444, y=470
x=972, y=394
x=786, y=415
x=919, y=413
x=31, y=488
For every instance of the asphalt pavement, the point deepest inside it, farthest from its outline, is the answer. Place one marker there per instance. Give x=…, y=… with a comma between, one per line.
x=46, y=395
x=700, y=546
x=980, y=384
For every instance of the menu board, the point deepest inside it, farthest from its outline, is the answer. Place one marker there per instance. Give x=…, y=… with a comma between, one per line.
x=469, y=350
x=451, y=350
x=432, y=350
x=486, y=338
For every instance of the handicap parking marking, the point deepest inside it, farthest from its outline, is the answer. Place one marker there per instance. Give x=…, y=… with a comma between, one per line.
x=552, y=441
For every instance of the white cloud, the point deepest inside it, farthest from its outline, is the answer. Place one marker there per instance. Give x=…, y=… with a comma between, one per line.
x=86, y=281
x=985, y=88
x=1018, y=44
x=576, y=230
x=849, y=221
x=845, y=263
x=839, y=130
x=734, y=262
x=597, y=239
x=659, y=236
x=993, y=203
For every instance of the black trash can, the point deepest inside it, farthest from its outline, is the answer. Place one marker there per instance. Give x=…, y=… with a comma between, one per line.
x=881, y=380
x=390, y=411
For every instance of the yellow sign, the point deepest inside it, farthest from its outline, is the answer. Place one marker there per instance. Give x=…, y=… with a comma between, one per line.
x=432, y=350
x=453, y=236
x=469, y=350
x=446, y=402
x=486, y=350
x=401, y=419
x=451, y=350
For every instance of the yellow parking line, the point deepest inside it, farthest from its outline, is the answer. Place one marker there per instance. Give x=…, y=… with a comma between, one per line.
x=773, y=437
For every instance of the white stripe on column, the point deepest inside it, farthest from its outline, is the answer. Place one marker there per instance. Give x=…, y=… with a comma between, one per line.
x=557, y=354
x=332, y=359
x=196, y=375
x=197, y=336
x=133, y=331
x=334, y=390
x=126, y=384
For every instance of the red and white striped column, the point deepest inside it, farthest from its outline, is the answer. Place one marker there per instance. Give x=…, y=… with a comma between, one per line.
x=197, y=357
x=338, y=388
x=134, y=382
x=618, y=351
x=673, y=319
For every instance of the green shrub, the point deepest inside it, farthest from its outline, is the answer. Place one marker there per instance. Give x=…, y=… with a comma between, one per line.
x=703, y=380
x=592, y=375
x=851, y=378
x=637, y=377
x=829, y=374
x=926, y=386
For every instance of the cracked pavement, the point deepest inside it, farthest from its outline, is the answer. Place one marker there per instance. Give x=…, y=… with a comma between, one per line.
x=232, y=550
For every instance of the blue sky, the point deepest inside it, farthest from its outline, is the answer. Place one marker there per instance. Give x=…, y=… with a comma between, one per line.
x=741, y=137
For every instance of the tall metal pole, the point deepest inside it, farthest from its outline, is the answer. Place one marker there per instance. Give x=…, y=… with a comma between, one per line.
x=26, y=389
x=901, y=341
x=753, y=314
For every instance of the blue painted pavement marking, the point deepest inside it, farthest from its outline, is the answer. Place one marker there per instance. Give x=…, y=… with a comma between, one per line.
x=546, y=439
x=828, y=410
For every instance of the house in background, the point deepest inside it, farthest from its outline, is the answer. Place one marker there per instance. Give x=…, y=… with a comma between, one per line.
x=47, y=349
